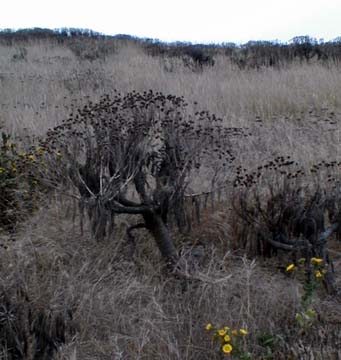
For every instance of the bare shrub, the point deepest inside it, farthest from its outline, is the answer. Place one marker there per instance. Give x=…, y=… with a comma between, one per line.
x=281, y=212
x=140, y=154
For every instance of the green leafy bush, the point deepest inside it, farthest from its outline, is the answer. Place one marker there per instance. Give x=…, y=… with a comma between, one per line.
x=8, y=175
x=18, y=182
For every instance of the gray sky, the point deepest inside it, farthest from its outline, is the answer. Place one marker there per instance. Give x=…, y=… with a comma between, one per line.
x=183, y=20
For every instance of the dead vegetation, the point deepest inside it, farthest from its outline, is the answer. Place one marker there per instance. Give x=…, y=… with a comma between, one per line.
x=66, y=295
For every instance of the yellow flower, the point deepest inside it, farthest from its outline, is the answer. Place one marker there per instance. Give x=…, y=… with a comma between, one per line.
x=40, y=150
x=208, y=327
x=221, y=332
x=226, y=328
x=227, y=348
x=243, y=332
x=31, y=157
x=234, y=332
x=227, y=338
x=318, y=274
x=301, y=260
x=316, y=261
x=290, y=267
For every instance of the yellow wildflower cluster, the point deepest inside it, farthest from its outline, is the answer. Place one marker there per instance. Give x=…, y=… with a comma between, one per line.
x=25, y=156
x=317, y=268
x=229, y=339
x=317, y=263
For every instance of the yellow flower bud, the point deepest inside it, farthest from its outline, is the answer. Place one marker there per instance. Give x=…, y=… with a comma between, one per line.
x=291, y=267
x=318, y=274
x=221, y=332
x=316, y=261
x=227, y=338
x=243, y=332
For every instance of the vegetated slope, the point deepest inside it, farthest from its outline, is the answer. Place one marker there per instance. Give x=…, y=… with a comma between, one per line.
x=117, y=306
x=35, y=72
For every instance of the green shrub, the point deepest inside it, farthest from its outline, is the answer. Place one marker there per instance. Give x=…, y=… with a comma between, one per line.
x=8, y=175
x=18, y=183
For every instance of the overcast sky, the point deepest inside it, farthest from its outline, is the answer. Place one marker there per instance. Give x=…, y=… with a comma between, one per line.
x=183, y=20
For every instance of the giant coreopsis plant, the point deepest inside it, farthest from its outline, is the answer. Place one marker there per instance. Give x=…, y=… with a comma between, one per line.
x=142, y=154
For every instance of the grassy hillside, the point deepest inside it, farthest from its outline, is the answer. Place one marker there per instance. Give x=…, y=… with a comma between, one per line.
x=63, y=290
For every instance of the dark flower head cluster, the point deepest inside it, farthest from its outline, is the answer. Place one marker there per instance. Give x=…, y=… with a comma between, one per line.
x=283, y=166
x=148, y=128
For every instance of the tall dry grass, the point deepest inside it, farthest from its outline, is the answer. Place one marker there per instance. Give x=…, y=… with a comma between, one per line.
x=50, y=73
x=125, y=308
x=120, y=307
x=41, y=90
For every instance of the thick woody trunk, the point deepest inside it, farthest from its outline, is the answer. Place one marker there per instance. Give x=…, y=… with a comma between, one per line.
x=160, y=232
x=155, y=219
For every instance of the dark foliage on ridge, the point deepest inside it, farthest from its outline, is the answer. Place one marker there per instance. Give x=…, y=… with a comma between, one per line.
x=253, y=54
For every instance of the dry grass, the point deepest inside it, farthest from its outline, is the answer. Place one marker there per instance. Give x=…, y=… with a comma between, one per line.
x=51, y=73
x=127, y=308
x=285, y=109
x=122, y=308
